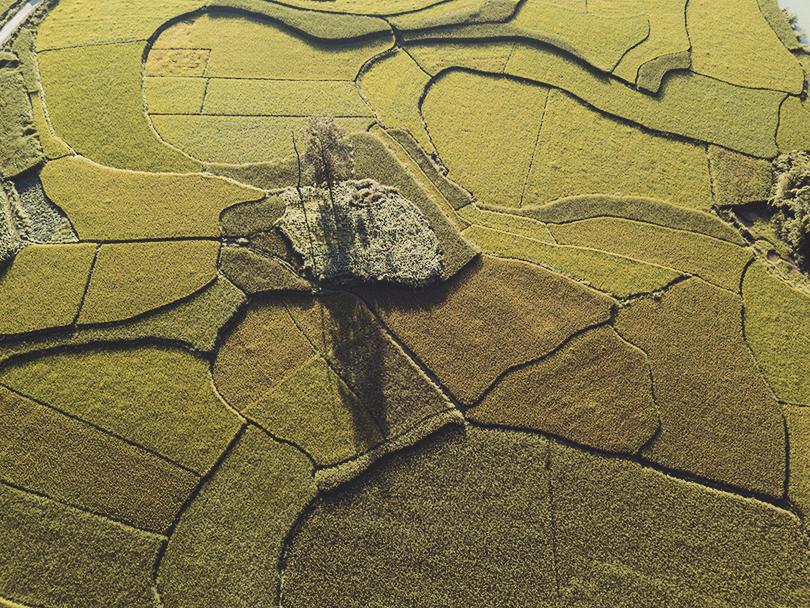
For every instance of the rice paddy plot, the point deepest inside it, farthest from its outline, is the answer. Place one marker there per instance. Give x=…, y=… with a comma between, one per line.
x=580, y=151
x=481, y=56
x=794, y=126
x=739, y=179
x=174, y=95
x=798, y=430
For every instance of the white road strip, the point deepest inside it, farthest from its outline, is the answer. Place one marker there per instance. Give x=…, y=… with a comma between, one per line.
x=17, y=19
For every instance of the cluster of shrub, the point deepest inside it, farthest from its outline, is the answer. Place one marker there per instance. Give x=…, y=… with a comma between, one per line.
x=790, y=198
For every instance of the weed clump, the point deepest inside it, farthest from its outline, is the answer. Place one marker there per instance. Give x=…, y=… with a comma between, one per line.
x=790, y=198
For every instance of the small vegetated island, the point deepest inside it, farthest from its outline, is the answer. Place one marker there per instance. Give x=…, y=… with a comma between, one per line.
x=497, y=303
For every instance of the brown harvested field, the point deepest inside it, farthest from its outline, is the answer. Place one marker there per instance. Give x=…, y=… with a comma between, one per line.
x=595, y=390
x=719, y=420
x=493, y=315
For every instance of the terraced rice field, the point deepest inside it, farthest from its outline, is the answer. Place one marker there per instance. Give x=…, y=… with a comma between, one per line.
x=600, y=398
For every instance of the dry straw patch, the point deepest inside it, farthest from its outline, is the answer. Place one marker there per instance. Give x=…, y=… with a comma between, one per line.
x=158, y=397
x=718, y=418
x=595, y=390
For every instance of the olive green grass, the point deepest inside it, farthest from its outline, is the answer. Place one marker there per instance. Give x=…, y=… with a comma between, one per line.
x=598, y=40
x=159, y=397
x=20, y=149
x=451, y=191
x=138, y=206
x=733, y=42
x=267, y=175
x=195, y=322
x=23, y=46
x=649, y=210
x=275, y=244
x=695, y=106
x=778, y=19
x=713, y=260
x=10, y=243
x=101, y=86
x=175, y=95
x=55, y=555
x=51, y=454
x=722, y=422
x=256, y=273
x=798, y=429
x=457, y=12
x=435, y=56
x=314, y=409
x=465, y=520
x=226, y=548
x=43, y=286
x=84, y=23
x=236, y=139
x=739, y=179
x=376, y=160
x=250, y=218
x=169, y=63
x=506, y=222
x=581, y=151
x=617, y=275
x=492, y=156
x=133, y=278
x=794, y=126
x=393, y=85
x=680, y=544
x=646, y=63
x=259, y=351
x=5, y=9
x=777, y=328
x=494, y=315
x=252, y=97
x=595, y=390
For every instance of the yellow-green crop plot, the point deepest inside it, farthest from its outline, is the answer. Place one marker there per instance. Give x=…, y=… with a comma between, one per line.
x=394, y=86
x=314, y=409
x=158, y=397
x=504, y=222
x=777, y=327
x=228, y=543
x=89, y=561
x=491, y=152
x=580, y=151
x=713, y=260
x=439, y=55
x=794, y=126
x=617, y=275
x=108, y=204
x=739, y=179
x=456, y=12
x=256, y=273
x=732, y=42
x=54, y=455
x=171, y=95
x=797, y=420
x=43, y=287
x=721, y=423
x=133, y=278
x=595, y=391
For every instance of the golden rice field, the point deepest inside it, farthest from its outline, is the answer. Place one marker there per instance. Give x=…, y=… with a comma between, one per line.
x=599, y=399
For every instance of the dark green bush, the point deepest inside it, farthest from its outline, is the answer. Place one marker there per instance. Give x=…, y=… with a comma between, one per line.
x=790, y=197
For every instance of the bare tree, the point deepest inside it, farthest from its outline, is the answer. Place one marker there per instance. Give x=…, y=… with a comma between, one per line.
x=328, y=157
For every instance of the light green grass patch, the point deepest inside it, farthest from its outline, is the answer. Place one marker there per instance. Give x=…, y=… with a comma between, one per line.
x=617, y=275
x=713, y=260
x=581, y=151
x=491, y=154
x=482, y=55
x=227, y=545
x=314, y=409
x=172, y=95
x=739, y=179
x=777, y=327
x=688, y=104
x=237, y=139
x=794, y=126
x=108, y=204
x=627, y=535
x=43, y=287
x=250, y=97
x=159, y=397
x=649, y=210
x=195, y=321
x=256, y=273
x=393, y=85
x=720, y=422
x=44, y=451
x=493, y=315
x=667, y=36
x=732, y=42
x=250, y=218
x=466, y=505
x=19, y=147
x=594, y=391
x=101, y=86
x=504, y=222
x=133, y=278
x=55, y=555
